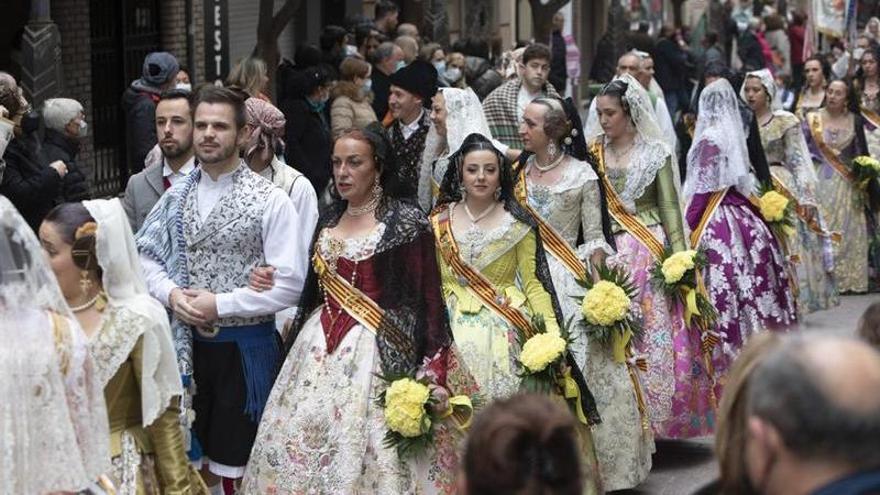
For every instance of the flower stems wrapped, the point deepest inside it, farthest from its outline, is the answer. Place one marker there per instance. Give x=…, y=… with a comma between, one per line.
x=679, y=275
x=413, y=405
x=608, y=310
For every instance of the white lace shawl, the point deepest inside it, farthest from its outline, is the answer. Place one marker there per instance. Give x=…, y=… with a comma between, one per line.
x=464, y=116
x=719, y=156
x=53, y=422
x=124, y=284
x=650, y=152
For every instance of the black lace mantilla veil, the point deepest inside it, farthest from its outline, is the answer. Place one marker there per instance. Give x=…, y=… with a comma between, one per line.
x=450, y=192
x=415, y=325
x=575, y=146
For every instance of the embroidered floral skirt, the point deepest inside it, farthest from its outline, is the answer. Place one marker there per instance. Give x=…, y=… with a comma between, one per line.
x=842, y=206
x=745, y=277
x=322, y=430
x=677, y=388
x=623, y=445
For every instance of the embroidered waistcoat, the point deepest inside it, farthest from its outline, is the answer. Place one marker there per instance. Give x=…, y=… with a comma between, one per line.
x=222, y=251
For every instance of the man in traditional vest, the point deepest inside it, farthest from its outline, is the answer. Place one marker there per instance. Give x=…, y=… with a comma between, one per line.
x=411, y=91
x=198, y=247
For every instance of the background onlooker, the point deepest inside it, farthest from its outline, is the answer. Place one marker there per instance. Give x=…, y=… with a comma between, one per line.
x=307, y=132
x=558, y=69
x=366, y=38
x=410, y=48
x=351, y=106
x=813, y=421
x=139, y=103
x=65, y=127
x=407, y=29
x=524, y=444
x=387, y=58
x=796, y=33
x=386, y=18
x=730, y=434
x=333, y=41
x=671, y=65
x=251, y=76
x=31, y=186
x=869, y=325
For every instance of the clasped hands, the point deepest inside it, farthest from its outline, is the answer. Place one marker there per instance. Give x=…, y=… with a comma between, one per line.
x=196, y=307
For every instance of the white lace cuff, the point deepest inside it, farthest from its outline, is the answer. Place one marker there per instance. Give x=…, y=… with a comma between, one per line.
x=585, y=250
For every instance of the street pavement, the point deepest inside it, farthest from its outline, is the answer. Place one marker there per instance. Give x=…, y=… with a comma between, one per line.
x=681, y=467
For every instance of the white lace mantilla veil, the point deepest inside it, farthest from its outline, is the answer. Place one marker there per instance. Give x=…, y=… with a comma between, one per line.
x=464, y=116
x=803, y=170
x=719, y=156
x=650, y=153
x=54, y=434
x=123, y=281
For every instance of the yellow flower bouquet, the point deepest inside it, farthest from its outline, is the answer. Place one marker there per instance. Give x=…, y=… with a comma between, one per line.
x=778, y=211
x=548, y=368
x=609, y=314
x=679, y=275
x=866, y=169
x=413, y=405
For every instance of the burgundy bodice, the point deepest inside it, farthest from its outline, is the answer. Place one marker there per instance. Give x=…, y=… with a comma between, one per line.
x=335, y=321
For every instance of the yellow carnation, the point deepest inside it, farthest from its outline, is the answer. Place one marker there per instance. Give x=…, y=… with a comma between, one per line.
x=405, y=403
x=541, y=350
x=605, y=304
x=675, y=266
x=773, y=206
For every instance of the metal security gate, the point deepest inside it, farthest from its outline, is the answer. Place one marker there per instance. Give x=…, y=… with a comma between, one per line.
x=122, y=33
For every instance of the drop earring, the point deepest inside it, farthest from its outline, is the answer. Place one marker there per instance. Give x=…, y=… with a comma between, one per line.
x=552, y=150
x=497, y=193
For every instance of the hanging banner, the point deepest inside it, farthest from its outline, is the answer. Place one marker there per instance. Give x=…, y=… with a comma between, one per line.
x=829, y=17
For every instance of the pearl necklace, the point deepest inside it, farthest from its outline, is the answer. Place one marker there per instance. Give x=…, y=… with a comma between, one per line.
x=369, y=207
x=542, y=169
x=88, y=304
x=483, y=214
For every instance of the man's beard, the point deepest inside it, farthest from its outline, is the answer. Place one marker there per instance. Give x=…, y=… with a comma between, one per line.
x=175, y=150
x=222, y=154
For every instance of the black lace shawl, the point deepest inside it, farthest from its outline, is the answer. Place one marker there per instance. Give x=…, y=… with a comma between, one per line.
x=415, y=325
x=450, y=192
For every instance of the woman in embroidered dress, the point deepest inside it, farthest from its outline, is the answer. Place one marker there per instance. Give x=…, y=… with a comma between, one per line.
x=477, y=212
x=792, y=167
x=867, y=85
x=92, y=251
x=455, y=114
x=745, y=276
x=55, y=440
x=638, y=170
x=562, y=190
x=835, y=136
x=322, y=430
x=812, y=97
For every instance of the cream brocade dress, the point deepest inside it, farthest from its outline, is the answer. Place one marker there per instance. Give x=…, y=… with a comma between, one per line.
x=623, y=445
x=786, y=153
x=322, y=430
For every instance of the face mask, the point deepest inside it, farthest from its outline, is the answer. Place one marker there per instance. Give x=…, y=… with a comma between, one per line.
x=184, y=86
x=440, y=66
x=350, y=50
x=368, y=84
x=317, y=106
x=858, y=52
x=83, y=128
x=400, y=64
x=453, y=74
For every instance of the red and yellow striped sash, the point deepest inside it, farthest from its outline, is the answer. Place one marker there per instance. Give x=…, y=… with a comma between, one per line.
x=471, y=278
x=815, y=122
x=555, y=244
x=630, y=222
x=353, y=301
x=712, y=205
